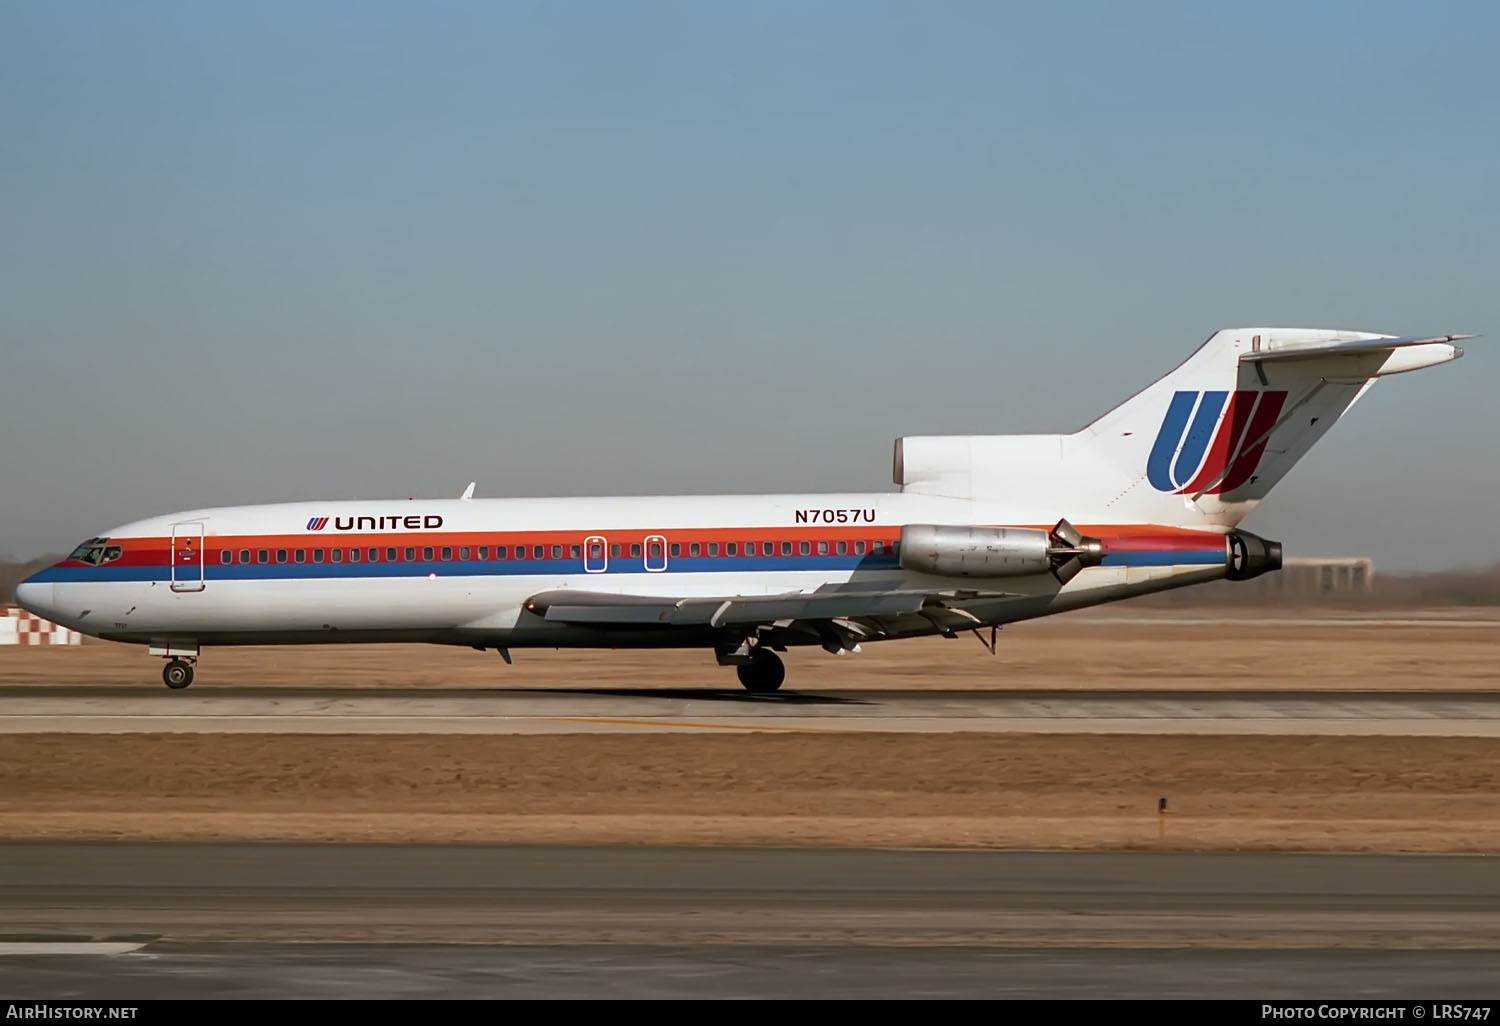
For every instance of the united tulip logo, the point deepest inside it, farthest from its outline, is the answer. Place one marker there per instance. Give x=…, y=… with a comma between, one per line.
x=1212, y=442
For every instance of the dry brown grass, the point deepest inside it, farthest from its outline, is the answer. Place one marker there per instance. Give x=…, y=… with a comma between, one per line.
x=1028, y=791
x=965, y=790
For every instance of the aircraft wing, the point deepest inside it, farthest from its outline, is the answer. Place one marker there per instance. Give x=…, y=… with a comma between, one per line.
x=1350, y=347
x=606, y=610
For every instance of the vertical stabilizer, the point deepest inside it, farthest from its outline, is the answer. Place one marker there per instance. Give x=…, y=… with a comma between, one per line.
x=1206, y=442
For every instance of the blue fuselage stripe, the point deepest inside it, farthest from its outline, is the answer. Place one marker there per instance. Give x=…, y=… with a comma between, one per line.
x=552, y=567
x=1170, y=557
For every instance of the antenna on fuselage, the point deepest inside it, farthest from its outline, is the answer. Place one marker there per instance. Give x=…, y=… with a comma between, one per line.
x=469, y=491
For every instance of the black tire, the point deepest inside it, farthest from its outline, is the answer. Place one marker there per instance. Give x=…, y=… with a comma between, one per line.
x=177, y=674
x=764, y=675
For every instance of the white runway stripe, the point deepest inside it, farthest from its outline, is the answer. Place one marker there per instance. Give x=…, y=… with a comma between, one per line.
x=68, y=947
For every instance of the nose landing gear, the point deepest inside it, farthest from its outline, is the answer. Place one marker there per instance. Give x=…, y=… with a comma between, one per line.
x=178, y=673
x=180, y=654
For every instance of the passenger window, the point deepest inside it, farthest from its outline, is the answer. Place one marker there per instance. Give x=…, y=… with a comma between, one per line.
x=693, y=549
x=713, y=548
x=653, y=551
x=337, y=555
x=411, y=553
x=859, y=548
x=575, y=551
x=427, y=553
x=635, y=549
x=539, y=552
x=499, y=551
x=225, y=556
x=354, y=555
x=447, y=553
x=823, y=547
x=786, y=548
x=281, y=555
x=263, y=556
x=768, y=548
x=244, y=555
x=300, y=556
x=731, y=548
x=317, y=555
x=805, y=548
x=614, y=550
x=843, y=548
x=463, y=552
x=557, y=552
x=596, y=550
x=676, y=548
x=483, y=552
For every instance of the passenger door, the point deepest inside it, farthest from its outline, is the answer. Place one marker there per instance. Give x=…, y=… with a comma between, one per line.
x=187, y=557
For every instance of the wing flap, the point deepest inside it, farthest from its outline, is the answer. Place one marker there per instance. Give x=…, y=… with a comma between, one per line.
x=601, y=609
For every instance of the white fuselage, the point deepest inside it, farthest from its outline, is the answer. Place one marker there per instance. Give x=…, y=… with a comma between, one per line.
x=425, y=570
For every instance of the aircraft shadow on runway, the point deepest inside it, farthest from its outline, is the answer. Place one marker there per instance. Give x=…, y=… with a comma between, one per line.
x=344, y=692
x=701, y=694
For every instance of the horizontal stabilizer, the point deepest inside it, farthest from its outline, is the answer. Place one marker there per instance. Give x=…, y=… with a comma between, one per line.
x=1302, y=349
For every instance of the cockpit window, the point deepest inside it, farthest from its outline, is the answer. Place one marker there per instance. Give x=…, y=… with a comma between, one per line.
x=96, y=551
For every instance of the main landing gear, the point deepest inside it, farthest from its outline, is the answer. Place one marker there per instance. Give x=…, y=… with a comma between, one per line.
x=178, y=673
x=763, y=673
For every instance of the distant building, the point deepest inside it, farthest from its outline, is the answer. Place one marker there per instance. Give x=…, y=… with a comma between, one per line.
x=1316, y=577
x=1300, y=579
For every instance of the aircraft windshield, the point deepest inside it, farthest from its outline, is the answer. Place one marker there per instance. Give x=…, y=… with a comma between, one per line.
x=96, y=551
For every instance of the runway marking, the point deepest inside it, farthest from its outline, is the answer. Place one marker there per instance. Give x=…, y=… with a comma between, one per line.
x=69, y=947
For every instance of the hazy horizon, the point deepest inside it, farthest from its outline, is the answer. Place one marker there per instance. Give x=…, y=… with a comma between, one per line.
x=277, y=252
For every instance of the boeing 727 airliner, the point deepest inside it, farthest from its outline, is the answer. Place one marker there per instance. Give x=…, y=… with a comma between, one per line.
x=984, y=531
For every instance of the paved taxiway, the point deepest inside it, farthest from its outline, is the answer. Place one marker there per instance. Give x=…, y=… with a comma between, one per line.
x=78, y=709
x=474, y=921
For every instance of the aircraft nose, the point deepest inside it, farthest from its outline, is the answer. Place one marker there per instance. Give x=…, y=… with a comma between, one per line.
x=35, y=597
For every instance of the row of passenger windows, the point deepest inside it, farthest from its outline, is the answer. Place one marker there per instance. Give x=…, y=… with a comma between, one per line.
x=467, y=553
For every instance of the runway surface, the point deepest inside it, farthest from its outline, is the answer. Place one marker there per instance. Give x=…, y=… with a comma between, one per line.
x=472, y=921
x=78, y=709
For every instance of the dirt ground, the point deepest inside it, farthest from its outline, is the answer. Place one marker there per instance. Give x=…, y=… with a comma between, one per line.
x=1074, y=651
x=947, y=790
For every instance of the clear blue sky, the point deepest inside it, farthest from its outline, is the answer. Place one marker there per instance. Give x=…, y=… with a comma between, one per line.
x=254, y=252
